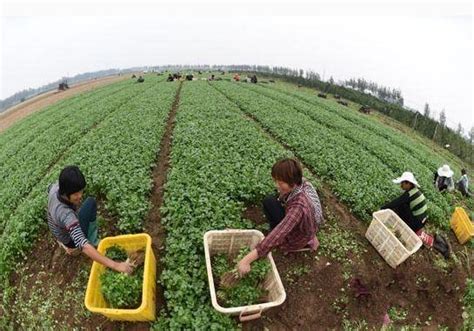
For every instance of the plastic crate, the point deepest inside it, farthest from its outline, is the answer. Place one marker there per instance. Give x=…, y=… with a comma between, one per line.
x=381, y=234
x=462, y=225
x=95, y=301
x=230, y=242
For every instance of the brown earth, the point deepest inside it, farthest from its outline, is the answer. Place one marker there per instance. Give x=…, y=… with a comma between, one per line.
x=320, y=298
x=416, y=286
x=17, y=112
x=49, y=265
x=153, y=224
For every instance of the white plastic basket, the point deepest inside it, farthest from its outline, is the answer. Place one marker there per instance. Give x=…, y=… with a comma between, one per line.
x=230, y=242
x=381, y=234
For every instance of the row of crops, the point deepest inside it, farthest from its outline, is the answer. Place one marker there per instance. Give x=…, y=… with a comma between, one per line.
x=358, y=161
x=26, y=159
x=113, y=135
x=219, y=160
x=422, y=152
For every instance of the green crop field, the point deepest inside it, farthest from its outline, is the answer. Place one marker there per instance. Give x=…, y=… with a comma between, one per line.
x=225, y=138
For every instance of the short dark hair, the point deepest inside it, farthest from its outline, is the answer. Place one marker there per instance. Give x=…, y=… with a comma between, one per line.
x=463, y=171
x=288, y=171
x=71, y=180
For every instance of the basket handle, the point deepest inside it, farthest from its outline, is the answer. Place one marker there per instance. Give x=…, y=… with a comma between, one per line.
x=250, y=317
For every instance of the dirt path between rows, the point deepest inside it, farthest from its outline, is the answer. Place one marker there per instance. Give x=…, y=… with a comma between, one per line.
x=20, y=111
x=153, y=226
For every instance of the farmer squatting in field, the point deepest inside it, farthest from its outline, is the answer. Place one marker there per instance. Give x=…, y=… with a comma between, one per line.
x=463, y=184
x=443, y=179
x=294, y=214
x=411, y=207
x=444, y=182
x=75, y=228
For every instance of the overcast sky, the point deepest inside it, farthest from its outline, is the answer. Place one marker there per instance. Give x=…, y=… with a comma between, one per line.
x=424, y=49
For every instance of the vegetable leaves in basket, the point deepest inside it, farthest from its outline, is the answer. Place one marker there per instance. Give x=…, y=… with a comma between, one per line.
x=116, y=253
x=243, y=291
x=121, y=290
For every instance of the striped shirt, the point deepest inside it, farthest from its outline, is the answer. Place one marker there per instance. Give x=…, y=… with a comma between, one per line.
x=298, y=228
x=413, y=200
x=63, y=220
x=418, y=204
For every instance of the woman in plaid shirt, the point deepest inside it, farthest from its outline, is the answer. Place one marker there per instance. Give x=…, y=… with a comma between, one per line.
x=294, y=214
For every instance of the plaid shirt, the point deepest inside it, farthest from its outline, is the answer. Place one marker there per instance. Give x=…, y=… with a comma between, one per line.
x=298, y=228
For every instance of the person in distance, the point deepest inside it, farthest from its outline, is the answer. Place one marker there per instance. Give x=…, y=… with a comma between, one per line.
x=443, y=179
x=463, y=184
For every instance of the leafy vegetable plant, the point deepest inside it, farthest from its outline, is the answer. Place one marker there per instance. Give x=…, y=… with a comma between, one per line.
x=121, y=290
x=248, y=290
x=116, y=253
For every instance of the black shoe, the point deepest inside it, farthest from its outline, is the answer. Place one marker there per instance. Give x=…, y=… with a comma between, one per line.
x=441, y=245
x=450, y=249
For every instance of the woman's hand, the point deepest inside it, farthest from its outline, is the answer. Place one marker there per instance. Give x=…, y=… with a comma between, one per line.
x=243, y=267
x=124, y=267
x=91, y=252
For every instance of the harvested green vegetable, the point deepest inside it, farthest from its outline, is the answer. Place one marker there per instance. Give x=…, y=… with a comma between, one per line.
x=120, y=290
x=246, y=291
x=116, y=253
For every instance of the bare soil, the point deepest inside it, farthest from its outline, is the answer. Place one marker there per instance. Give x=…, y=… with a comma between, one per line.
x=153, y=224
x=17, y=112
x=49, y=265
x=320, y=298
